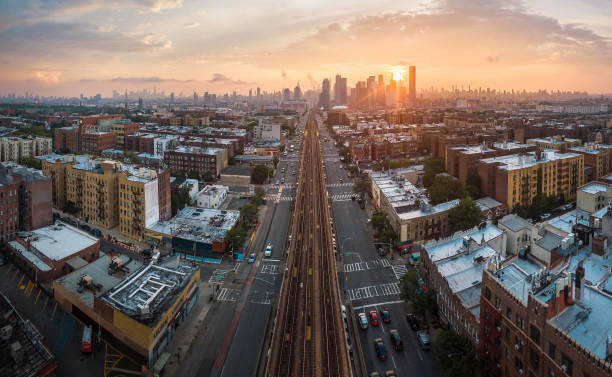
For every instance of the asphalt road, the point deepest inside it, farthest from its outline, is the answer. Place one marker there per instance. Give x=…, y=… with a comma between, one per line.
x=369, y=281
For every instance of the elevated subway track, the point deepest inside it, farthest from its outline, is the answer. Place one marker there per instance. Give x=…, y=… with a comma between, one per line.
x=308, y=337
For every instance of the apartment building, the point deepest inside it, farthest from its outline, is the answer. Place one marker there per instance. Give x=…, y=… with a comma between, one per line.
x=66, y=139
x=558, y=142
x=408, y=210
x=9, y=210
x=17, y=148
x=594, y=196
x=92, y=186
x=94, y=142
x=517, y=179
x=452, y=268
x=120, y=128
x=54, y=166
x=540, y=322
x=138, y=198
x=202, y=160
x=598, y=157
x=34, y=195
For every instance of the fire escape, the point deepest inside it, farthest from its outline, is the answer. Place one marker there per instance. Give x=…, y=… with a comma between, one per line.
x=101, y=209
x=137, y=211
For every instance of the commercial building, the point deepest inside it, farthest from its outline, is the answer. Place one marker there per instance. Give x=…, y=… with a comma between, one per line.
x=211, y=196
x=554, y=142
x=452, y=268
x=24, y=352
x=94, y=142
x=53, y=251
x=202, y=160
x=517, y=179
x=34, y=194
x=541, y=322
x=66, y=139
x=17, y=148
x=196, y=233
x=136, y=307
x=408, y=210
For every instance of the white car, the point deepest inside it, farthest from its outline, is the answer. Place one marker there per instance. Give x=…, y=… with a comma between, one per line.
x=268, y=251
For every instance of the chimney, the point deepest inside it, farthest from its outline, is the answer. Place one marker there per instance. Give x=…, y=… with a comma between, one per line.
x=579, y=283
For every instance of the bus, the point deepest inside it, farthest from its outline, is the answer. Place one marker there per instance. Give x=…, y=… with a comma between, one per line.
x=86, y=341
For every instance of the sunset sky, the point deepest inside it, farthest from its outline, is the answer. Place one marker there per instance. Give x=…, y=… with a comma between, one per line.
x=68, y=47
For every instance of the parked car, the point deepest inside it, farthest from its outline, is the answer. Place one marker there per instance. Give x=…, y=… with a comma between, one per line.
x=363, y=321
x=412, y=321
x=251, y=258
x=390, y=373
x=96, y=232
x=423, y=339
x=385, y=315
x=374, y=319
x=85, y=227
x=544, y=216
x=398, y=345
x=381, y=351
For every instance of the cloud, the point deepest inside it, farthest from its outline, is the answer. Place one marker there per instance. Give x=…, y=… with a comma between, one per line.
x=48, y=77
x=219, y=78
x=159, y=5
x=284, y=74
x=492, y=59
x=157, y=41
x=191, y=25
x=106, y=28
x=138, y=80
x=202, y=12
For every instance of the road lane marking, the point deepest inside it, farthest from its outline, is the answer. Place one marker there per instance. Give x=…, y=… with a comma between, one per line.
x=37, y=296
x=53, y=313
x=399, y=270
x=46, y=301
x=20, y=280
x=379, y=303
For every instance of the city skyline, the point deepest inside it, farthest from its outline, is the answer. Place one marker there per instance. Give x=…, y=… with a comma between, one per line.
x=185, y=45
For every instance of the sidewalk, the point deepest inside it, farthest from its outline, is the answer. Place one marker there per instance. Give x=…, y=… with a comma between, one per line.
x=185, y=335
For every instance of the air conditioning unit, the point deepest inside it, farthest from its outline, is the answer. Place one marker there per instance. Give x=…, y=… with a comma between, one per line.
x=520, y=371
x=564, y=368
x=516, y=346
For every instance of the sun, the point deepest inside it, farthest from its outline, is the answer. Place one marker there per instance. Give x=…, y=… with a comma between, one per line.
x=398, y=73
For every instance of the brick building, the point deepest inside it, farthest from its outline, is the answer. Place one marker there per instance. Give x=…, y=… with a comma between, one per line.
x=140, y=142
x=54, y=166
x=66, y=139
x=9, y=210
x=599, y=157
x=202, y=160
x=536, y=322
x=94, y=142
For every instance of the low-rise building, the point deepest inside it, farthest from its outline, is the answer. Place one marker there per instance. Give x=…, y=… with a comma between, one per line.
x=196, y=233
x=236, y=175
x=185, y=159
x=94, y=142
x=554, y=142
x=66, y=139
x=211, y=196
x=490, y=208
x=520, y=233
x=23, y=347
x=593, y=196
x=452, y=268
x=53, y=251
x=17, y=148
x=135, y=306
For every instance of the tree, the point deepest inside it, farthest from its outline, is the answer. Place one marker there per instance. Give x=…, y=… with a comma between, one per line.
x=457, y=354
x=445, y=188
x=208, y=177
x=259, y=174
x=236, y=236
x=130, y=156
x=248, y=214
x=258, y=198
x=275, y=160
x=362, y=186
x=433, y=166
x=379, y=222
x=71, y=208
x=193, y=174
x=180, y=200
x=31, y=162
x=464, y=216
x=231, y=160
x=472, y=185
x=409, y=284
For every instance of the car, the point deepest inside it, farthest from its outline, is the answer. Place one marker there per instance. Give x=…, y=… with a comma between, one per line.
x=398, y=345
x=86, y=227
x=282, y=180
x=363, y=321
x=390, y=373
x=96, y=232
x=414, y=259
x=544, y=216
x=353, y=197
x=381, y=351
x=251, y=258
x=374, y=319
x=268, y=251
x=423, y=339
x=374, y=374
x=412, y=321
x=385, y=315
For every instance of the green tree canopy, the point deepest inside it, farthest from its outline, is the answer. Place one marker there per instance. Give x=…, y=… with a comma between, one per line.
x=180, y=200
x=464, y=216
x=248, y=214
x=433, y=166
x=259, y=174
x=457, y=355
x=208, y=177
x=236, y=236
x=379, y=222
x=362, y=186
x=472, y=186
x=31, y=162
x=193, y=174
x=445, y=188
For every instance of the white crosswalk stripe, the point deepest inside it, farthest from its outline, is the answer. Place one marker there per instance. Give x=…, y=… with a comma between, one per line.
x=270, y=269
x=366, y=265
x=340, y=185
x=283, y=198
x=264, y=298
x=228, y=294
x=218, y=276
x=373, y=291
x=344, y=197
x=399, y=270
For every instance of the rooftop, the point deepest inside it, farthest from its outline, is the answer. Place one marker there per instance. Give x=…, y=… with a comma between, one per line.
x=196, y=150
x=487, y=203
x=201, y=224
x=59, y=241
x=594, y=188
x=457, y=244
x=515, y=161
x=514, y=222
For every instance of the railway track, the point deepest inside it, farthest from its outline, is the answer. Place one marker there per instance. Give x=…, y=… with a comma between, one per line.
x=308, y=337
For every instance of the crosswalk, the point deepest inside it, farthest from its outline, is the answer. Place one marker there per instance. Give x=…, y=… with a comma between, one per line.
x=261, y=297
x=344, y=197
x=218, y=276
x=373, y=291
x=399, y=270
x=366, y=265
x=270, y=269
x=340, y=185
x=228, y=295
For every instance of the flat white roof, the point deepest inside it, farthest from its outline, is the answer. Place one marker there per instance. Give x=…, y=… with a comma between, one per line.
x=57, y=242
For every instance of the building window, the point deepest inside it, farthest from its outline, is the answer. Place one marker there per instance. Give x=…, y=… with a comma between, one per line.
x=509, y=312
x=518, y=364
x=498, y=304
x=567, y=365
x=534, y=358
x=551, y=350
x=487, y=293
x=535, y=334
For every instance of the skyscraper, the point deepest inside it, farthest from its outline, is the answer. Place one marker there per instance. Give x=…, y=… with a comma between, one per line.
x=340, y=89
x=324, y=97
x=297, y=92
x=286, y=94
x=412, y=83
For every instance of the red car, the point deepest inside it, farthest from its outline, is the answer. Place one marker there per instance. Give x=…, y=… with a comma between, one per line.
x=374, y=319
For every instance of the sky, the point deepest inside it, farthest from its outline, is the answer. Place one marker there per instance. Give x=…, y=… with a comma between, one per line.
x=69, y=47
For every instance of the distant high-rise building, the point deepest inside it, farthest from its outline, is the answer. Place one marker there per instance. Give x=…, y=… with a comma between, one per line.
x=250, y=94
x=297, y=92
x=172, y=97
x=340, y=89
x=206, y=98
x=286, y=94
x=195, y=97
x=412, y=83
x=258, y=93
x=324, y=97
x=140, y=102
